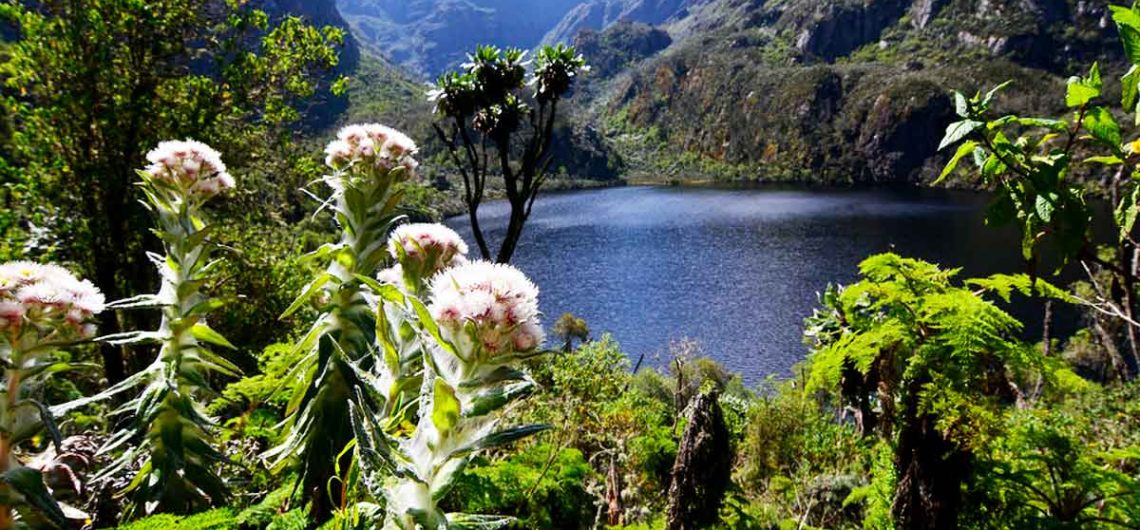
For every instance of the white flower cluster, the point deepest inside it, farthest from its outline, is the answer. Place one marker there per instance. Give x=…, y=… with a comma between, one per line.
x=189, y=165
x=49, y=297
x=499, y=301
x=435, y=244
x=371, y=144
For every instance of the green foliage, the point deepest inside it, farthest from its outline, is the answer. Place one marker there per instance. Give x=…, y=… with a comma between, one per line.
x=615, y=419
x=219, y=519
x=269, y=386
x=178, y=446
x=943, y=361
x=795, y=462
x=341, y=340
x=1032, y=164
x=91, y=85
x=541, y=486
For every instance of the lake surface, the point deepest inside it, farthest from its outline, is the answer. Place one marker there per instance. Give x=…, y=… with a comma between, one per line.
x=735, y=269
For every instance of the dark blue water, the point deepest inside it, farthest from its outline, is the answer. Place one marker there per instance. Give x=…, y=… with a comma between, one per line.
x=735, y=269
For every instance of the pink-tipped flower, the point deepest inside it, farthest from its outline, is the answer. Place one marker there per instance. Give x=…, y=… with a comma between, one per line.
x=49, y=296
x=189, y=165
x=426, y=247
x=371, y=145
x=11, y=316
x=500, y=302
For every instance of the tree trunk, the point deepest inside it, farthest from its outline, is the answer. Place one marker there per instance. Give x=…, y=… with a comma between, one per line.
x=114, y=368
x=514, y=232
x=930, y=471
x=703, y=467
x=613, y=494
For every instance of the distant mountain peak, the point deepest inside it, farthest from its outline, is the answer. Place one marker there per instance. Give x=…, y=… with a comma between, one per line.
x=429, y=37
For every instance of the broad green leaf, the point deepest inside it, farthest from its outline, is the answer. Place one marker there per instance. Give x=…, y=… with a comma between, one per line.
x=993, y=92
x=1131, y=88
x=959, y=130
x=964, y=150
x=1081, y=91
x=1051, y=124
x=494, y=399
x=1102, y=126
x=961, y=105
x=1125, y=16
x=1044, y=208
x=1128, y=25
x=1126, y=213
x=445, y=479
x=311, y=289
x=502, y=438
x=1108, y=160
x=445, y=407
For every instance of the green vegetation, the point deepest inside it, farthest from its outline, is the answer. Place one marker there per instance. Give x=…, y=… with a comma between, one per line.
x=371, y=376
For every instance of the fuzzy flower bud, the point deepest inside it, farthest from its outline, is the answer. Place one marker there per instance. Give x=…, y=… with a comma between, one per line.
x=48, y=296
x=498, y=300
x=189, y=165
x=371, y=145
x=427, y=247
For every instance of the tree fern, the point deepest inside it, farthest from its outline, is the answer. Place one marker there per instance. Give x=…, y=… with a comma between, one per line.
x=939, y=357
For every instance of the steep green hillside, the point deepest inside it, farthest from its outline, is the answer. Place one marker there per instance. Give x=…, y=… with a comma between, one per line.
x=824, y=90
x=835, y=90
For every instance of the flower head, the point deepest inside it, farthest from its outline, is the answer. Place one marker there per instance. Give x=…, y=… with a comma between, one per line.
x=189, y=165
x=430, y=247
x=48, y=296
x=492, y=308
x=371, y=145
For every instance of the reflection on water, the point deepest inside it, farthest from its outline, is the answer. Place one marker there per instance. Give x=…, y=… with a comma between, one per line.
x=735, y=269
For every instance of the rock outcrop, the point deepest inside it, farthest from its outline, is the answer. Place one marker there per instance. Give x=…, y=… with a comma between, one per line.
x=615, y=49
x=834, y=29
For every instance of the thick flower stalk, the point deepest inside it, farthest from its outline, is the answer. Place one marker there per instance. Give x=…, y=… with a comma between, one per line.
x=176, y=438
x=482, y=321
x=367, y=162
x=420, y=251
x=42, y=308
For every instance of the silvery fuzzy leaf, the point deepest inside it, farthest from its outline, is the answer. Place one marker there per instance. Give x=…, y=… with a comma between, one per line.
x=466, y=521
x=495, y=398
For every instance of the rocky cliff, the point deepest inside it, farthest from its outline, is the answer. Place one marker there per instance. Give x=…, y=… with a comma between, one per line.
x=825, y=90
x=835, y=90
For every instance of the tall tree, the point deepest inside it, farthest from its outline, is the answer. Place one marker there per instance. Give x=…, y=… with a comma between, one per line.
x=489, y=128
x=90, y=85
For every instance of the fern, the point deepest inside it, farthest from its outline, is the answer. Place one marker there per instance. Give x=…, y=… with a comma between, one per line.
x=219, y=519
x=940, y=358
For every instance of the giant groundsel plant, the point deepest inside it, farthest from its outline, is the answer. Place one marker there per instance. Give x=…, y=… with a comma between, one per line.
x=170, y=432
x=367, y=162
x=42, y=309
x=482, y=321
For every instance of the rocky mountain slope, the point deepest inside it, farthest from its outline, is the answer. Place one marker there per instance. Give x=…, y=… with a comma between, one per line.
x=428, y=37
x=824, y=90
x=834, y=90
